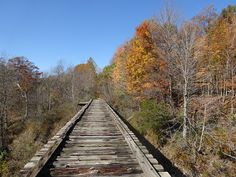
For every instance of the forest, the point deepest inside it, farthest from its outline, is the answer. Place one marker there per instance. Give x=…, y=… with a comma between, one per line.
x=173, y=82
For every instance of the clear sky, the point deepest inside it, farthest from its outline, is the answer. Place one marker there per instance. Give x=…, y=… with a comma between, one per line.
x=46, y=31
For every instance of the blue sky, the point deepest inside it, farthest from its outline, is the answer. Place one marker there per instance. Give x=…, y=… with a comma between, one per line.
x=46, y=31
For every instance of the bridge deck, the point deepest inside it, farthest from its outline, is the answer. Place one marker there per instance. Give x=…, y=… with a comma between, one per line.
x=95, y=142
x=96, y=146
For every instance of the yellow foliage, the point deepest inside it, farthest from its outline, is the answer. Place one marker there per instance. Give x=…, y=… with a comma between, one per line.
x=143, y=61
x=218, y=42
x=119, y=61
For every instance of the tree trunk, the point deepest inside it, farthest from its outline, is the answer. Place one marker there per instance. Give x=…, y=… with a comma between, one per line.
x=185, y=93
x=203, y=127
x=224, y=94
x=208, y=89
x=1, y=130
x=25, y=96
x=5, y=131
x=73, y=90
x=26, y=105
x=171, y=96
x=232, y=91
x=4, y=124
x=49, y=101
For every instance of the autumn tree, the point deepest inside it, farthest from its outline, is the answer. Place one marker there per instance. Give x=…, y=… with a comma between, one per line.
x=119, y=61
x=6, y=78
x=165, y=36
x=186, y=64
x=215, y=45
x=85, y=80
x=105, y=85
x=55, y=85
x=144, y=66
x=228, y=15
x=26, y=75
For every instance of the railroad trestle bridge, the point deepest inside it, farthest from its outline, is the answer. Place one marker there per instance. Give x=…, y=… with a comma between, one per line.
x=95, y=142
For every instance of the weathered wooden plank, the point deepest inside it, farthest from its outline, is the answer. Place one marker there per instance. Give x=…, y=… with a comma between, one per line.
x=91, y=142
x=96, y=137
x=112, y=156
x=92, y=175
x=93, y=163
x=159, y=167
x=164, y=174
x=101, y=171
x=93, y=158
x=96, y=153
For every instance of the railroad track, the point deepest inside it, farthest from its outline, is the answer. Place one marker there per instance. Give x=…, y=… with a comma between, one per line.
x=95, y=142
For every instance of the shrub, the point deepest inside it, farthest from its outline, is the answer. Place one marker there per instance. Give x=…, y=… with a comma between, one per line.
x=3, y=163
x=152, y=117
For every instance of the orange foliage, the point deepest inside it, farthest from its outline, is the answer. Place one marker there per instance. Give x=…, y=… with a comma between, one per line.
x=144, y=67
x=143, y=30
x=119, y=61
x=26, y=72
